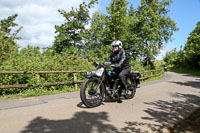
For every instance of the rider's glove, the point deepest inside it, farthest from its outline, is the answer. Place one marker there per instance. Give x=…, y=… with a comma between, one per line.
x=112, y=65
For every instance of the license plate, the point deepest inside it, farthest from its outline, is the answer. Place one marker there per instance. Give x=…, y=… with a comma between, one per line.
x=99, y=72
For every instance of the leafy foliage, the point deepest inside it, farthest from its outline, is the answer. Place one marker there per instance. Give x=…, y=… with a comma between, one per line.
x=192, y=48
x=142, y=30
x=96, y=47
x=73, y=32
x=116, y=20
x=153, y=26
x=189, y=56
x=7, y=38
x=31, y=59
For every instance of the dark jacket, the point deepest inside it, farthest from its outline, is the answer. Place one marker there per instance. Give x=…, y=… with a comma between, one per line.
x=119, y=59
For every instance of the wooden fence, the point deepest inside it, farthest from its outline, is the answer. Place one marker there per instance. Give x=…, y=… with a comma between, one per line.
x=144, y=75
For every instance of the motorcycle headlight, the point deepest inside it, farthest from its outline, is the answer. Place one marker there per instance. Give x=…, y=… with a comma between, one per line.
x=89, y=73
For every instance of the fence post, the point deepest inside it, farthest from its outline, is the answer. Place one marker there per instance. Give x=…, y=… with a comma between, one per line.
x=75, y=80
x=38, y=78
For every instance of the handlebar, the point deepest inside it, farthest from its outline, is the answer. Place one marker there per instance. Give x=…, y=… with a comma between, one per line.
x=105, y=64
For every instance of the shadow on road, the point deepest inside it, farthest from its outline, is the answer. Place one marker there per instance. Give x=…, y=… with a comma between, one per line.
x=82, y=122
x=166, y=113
x=195, y=84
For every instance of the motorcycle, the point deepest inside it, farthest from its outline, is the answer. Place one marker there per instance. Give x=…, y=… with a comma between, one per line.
x=165, y=69
x=103, y=84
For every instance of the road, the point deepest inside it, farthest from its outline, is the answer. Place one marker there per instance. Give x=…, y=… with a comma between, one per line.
x=157, y=106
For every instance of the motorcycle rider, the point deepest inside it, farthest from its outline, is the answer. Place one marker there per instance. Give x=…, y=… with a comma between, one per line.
x=120, y=62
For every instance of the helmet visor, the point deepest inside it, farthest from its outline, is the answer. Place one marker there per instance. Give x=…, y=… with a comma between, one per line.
x=115, y=46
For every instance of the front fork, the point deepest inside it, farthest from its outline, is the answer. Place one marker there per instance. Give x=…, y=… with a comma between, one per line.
x=94, y=90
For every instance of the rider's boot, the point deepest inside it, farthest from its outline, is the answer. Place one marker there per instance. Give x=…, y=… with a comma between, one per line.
x=119, y=100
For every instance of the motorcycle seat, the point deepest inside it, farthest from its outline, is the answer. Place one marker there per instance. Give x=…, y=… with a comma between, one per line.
x=135, y=74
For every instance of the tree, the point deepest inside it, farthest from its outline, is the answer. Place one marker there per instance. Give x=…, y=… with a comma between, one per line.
x=97, y=31
x=117, y=20
x=192, y=48
x=96, y=46
x=73, y=32
x=154, y=27
x=143, y=30
x=107, y=27
x=7, y=37
x=171, y=57
x=132, y=39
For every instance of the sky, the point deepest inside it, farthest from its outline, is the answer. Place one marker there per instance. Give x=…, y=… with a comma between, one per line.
x=186, y=14
x=39, y=17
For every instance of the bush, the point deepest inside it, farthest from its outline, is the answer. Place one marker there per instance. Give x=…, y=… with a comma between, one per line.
x=31, y=59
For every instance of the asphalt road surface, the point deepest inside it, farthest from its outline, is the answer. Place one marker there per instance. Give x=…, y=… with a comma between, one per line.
x=156, y=107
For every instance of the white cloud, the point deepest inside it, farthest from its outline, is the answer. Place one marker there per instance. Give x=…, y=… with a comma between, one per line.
x=38, y=18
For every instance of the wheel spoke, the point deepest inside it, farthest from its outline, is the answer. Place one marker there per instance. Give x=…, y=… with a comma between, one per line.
x=92, y=91
x=92, y=95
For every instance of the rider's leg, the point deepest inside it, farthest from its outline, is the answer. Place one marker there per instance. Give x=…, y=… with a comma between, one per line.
x=122, y=76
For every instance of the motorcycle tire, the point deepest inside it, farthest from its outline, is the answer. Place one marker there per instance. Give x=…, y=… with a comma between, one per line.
x=92, y=92
x=130, y=93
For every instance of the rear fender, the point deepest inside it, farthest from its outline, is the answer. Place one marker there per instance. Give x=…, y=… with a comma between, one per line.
x=135, y=75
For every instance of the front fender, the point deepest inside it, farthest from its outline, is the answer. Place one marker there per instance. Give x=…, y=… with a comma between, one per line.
x=91, y=76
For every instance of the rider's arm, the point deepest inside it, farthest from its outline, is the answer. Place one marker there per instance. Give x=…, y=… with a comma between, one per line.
x=110, y=58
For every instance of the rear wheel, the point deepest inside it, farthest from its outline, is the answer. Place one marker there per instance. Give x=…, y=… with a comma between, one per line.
x=92, y=92
x=131, y=92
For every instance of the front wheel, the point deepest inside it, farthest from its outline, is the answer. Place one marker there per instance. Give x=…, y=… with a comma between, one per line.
x=92, y=92
x=132, y=85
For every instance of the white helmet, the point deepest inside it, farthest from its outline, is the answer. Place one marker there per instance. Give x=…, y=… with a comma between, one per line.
x=117, y=43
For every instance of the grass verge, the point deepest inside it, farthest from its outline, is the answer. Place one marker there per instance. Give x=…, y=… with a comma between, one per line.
x=40, y=91
x=192, y=72
x=154, y=78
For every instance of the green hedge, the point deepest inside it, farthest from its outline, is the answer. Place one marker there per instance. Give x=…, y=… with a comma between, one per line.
x=32, y=59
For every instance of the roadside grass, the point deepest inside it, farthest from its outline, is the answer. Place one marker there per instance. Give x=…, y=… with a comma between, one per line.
x=191, y=124
x=41, y=91
x=192, y=72
x=154, y=78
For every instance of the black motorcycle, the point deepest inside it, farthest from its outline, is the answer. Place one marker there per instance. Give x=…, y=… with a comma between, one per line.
x=104, y=84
